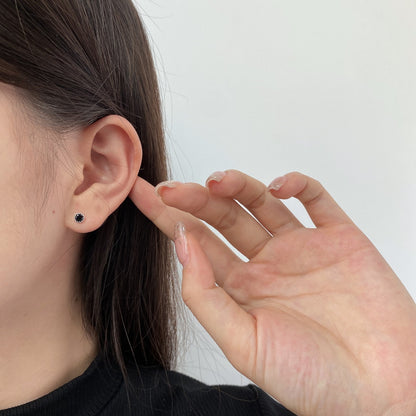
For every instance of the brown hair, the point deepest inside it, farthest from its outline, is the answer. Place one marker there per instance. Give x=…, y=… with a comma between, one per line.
x=77, y=61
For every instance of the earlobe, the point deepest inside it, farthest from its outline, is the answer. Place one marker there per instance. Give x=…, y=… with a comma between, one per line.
x=79, y=217
x=110, y=154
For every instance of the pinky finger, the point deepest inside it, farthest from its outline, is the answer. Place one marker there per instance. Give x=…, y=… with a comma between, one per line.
x=231, y=327
x=319, y=204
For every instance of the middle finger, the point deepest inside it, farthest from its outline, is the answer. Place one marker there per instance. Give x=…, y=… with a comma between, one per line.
x=238, y=226
x=254, y=196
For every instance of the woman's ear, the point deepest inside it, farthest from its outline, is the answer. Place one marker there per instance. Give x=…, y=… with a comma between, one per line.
x=108, y=155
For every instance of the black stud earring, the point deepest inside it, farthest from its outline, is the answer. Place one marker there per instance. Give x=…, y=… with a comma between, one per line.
x=79, y=218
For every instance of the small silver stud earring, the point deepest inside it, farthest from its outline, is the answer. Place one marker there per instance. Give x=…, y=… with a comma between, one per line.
x=79, y=218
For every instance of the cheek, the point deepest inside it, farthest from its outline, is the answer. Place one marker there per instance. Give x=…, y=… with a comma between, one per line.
x=30, y=177
x=17, y=236
x=17, y=245
x=11, y=186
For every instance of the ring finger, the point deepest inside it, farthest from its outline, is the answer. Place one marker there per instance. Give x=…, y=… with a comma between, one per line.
x=253, y=194
x=238, y=226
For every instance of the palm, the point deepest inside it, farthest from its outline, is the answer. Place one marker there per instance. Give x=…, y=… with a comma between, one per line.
x=310, y=310
x=305, y=306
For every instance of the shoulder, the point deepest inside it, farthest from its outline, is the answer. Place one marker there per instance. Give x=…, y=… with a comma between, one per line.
x=156, y=391
x=226, y=399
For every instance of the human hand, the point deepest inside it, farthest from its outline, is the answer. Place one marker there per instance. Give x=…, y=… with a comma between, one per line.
x=316, y=317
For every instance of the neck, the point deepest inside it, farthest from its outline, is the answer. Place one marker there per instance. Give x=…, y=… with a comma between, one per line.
x=42, y=341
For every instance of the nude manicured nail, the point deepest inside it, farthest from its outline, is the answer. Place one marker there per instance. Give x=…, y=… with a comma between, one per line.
x=181, y=243
x=165, y=184
x=277, y=183
x=216, y=177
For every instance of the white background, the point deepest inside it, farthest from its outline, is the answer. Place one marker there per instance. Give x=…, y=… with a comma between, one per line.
x=323, y=87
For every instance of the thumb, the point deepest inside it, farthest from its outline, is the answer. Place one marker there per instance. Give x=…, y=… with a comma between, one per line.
x=231, y=327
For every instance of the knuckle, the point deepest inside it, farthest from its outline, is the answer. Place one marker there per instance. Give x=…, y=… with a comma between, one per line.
x=258, y=246
x=295, y=174
x=316, y=183
x=195, y=206
x=314, y=191
x=233, y=172
x=227, y=220
x=288, y=226
x=257, y=200
x=316, y=197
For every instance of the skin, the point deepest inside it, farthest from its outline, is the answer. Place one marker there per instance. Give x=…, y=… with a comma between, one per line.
x=315, y=317
x=43, y=344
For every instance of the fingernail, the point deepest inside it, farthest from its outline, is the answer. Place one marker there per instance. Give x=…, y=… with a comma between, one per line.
x=216, y=176
x=181, y=243
x=277, y=183
x=165, y=184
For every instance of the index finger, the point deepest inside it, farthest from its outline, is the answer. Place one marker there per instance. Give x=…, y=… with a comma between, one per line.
x=165, y=218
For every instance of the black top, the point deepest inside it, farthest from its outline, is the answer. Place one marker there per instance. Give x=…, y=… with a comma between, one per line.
x=100, y=390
